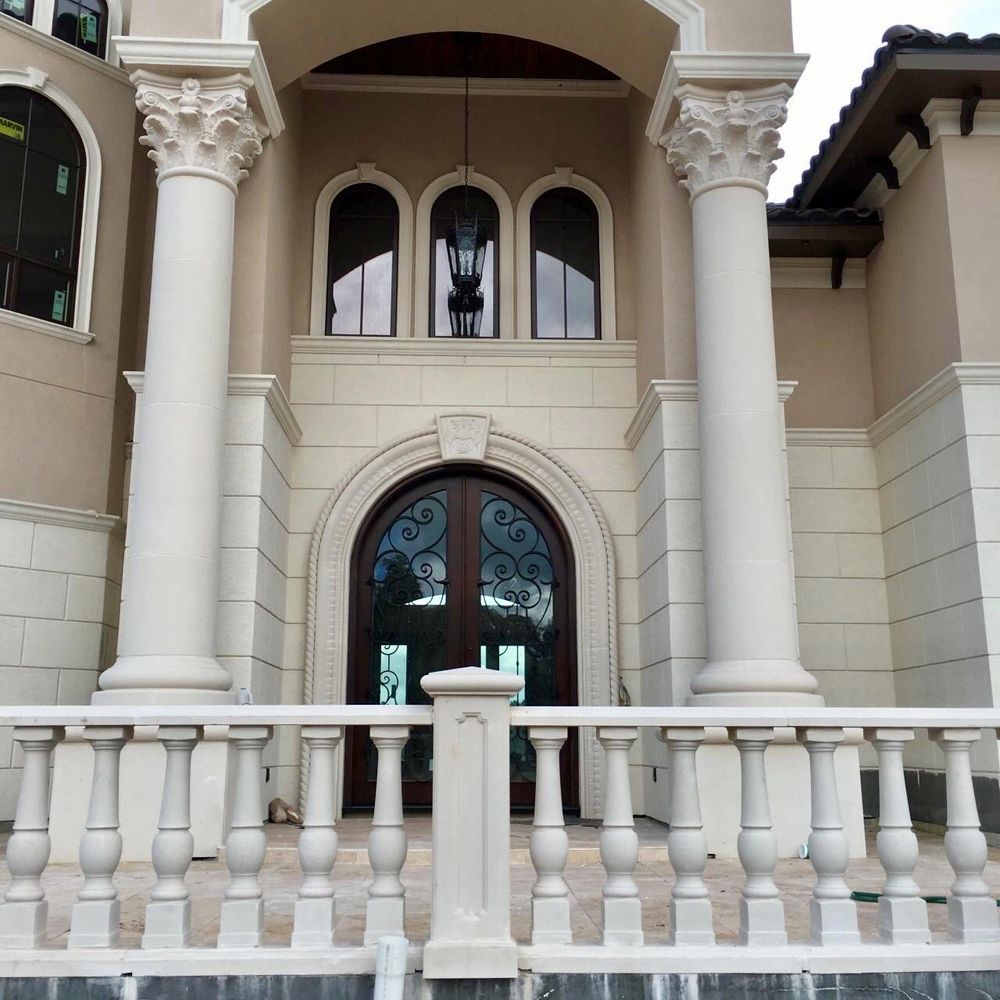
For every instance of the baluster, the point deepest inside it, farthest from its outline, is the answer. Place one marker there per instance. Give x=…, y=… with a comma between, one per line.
x=386, y=912
x=315, y=909
x=902, y=914
x=549, y=842
x=690, y=907
x=168, y=913
x=621, y=909
x=97, y=911
x=833, y=915
x=24, y=912
x=972, y=911
x=242, y=920
x=762, y=914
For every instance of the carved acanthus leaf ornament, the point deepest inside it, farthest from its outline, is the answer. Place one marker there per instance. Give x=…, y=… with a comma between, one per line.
x=204, y=125
x=723, y=137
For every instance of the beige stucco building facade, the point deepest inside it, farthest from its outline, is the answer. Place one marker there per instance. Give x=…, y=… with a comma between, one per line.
x=760, y=498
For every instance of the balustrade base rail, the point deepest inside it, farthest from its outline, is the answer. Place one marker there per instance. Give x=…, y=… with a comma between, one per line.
x=471, y=904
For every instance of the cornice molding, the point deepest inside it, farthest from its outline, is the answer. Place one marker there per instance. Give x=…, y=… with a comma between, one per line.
x=943, y=116
x=720, y=70
x=447, y=347
x=815, y=272
x=828, y=437
x=675, y=391
x=267, y=386
x=64, y=517
x=729, y=138
x=46, y=41
x=936, y=388
x=478, y=86
x=204, y=58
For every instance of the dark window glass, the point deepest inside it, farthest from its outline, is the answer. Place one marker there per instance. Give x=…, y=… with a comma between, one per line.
x=21, y=10
x=364, y=243
x=41, y=191
x=565, y=278
x=83, y=23
x=449, y=205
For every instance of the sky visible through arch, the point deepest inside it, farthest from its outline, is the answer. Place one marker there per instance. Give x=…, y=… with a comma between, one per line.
x=842, y=38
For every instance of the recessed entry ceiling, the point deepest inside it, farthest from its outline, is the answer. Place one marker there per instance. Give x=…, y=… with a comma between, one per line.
x=447, y=53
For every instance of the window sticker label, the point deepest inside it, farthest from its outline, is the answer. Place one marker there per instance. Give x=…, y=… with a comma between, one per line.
x=58, y=306
x=62, y=179
x=88, y=27
x=12, y=129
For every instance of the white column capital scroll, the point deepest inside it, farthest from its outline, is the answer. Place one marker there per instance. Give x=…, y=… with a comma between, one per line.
x=727, y=138
x=199, y=126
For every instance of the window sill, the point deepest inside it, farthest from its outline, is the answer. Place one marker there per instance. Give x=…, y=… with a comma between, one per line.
x=108, y=66
x=33, y=325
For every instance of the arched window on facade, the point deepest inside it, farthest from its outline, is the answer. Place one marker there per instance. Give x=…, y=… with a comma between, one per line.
x=83, y=23
x=20, y=10
x=449, y=205
x=565, y=267
x=42, y=167
x=363, y=262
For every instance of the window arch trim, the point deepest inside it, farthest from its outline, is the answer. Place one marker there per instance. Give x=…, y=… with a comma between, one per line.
x=566, y=177
x=79, y=331
x=422, y=277
x=363, y=173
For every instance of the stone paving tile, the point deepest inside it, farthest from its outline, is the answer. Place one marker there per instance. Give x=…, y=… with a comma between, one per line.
x=280, y=877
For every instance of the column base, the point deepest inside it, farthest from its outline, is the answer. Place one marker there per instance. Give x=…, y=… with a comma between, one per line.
x=384, y=918
x=168, y=924
x=833, y=922
x=191, y=680
x=691, y=922
x=313, y=923
x=141, y=784
x=22, y=925
x=974, y=920
x=787, y=767
x=754, y=683
x=241, y=924
x=550, y=921
x=903, y=921
x=762, y=922
x=94, y=924
x=470, y=959
x=622, y=922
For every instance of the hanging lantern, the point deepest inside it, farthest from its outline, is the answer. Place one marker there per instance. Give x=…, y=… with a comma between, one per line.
x=466, y=246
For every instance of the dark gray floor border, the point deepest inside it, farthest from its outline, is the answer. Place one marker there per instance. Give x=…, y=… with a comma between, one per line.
x=704, y=986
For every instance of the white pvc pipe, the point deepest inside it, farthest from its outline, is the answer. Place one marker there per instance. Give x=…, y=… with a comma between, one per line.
x=390, y=968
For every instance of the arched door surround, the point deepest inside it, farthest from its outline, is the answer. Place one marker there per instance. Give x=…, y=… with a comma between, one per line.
x=466, y=438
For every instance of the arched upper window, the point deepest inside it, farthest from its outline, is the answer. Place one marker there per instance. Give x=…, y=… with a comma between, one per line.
x=21, y=10
x=42, y=167
x=448, y=205
x=362, y=263
x=565, y=267
x=83, y=23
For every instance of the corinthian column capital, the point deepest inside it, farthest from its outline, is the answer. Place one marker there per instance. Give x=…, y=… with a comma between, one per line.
x=200, y=125
x=726, y=138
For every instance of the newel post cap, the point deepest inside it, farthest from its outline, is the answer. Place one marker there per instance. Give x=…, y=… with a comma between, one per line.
x=475, y=681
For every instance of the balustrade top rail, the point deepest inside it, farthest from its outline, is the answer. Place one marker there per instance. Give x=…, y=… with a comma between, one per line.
x=422, y=715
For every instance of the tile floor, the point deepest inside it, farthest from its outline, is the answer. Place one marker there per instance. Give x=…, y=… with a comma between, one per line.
x=280, y=878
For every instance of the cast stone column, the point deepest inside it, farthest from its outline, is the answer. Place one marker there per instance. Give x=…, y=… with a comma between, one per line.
x=724, y=145
x=203, y=138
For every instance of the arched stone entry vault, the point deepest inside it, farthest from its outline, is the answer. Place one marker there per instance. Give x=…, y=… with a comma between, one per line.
x=465, y=437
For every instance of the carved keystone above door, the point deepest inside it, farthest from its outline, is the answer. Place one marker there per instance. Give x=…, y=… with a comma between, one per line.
x=463, y=436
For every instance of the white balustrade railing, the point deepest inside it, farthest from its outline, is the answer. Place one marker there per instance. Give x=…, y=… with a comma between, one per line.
x=471, y=899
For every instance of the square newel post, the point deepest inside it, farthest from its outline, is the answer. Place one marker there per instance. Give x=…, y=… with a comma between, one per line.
x=470, y=896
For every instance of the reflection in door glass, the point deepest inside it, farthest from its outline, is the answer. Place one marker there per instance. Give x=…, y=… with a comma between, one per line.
x=517, y=630
x=408, y=631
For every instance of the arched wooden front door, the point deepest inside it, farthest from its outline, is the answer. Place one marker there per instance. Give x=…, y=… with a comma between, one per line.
x=459, y=568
